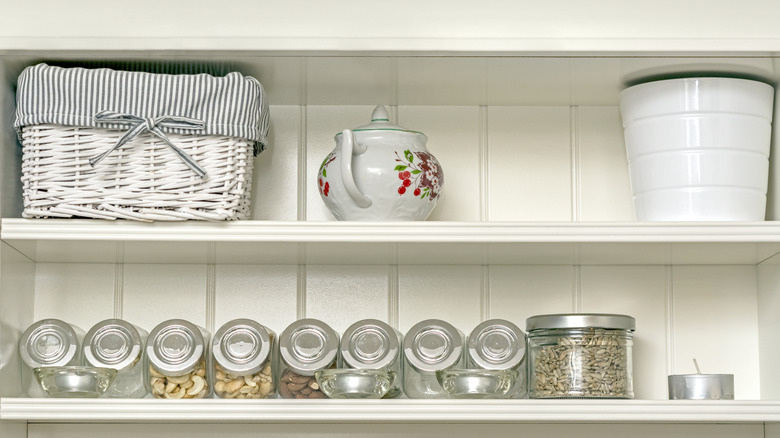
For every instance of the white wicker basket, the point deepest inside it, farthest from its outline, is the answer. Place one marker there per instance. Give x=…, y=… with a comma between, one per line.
x=144, y=178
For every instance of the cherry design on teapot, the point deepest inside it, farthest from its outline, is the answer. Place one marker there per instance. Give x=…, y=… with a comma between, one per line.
x=427, y=176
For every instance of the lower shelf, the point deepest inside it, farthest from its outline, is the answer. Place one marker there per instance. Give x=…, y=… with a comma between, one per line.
x=357, y=411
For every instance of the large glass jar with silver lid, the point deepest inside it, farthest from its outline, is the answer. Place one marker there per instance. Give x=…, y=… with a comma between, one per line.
x=305, y=346
x=500, y=345
x=48, y=343
x=243, y=369
x=429, y=346
x=581, y=355
x=117, y=344
x=371, y=344
x=176, y=352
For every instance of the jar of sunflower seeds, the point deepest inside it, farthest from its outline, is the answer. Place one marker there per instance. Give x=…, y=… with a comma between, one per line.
x=582, y=355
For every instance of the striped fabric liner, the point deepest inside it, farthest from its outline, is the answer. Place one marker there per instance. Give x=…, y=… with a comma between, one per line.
x=233, y=105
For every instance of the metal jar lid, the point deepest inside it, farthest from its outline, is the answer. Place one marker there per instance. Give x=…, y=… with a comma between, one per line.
x=48, y=343
x=176, y=347
x=241, y=346
x=112, y=343
x=308, y=345
x=581, y=320
x=370, y=344
x=433, y=345
x=497, y=344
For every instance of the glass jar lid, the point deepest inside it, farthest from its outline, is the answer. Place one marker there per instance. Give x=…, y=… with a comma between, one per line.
x=497, y=344
x=581, y=320
x=370, y=344
x=175, y=347
x=112, y=343
x=433, y=345
x=49, y=342
x=308, y=345
x=241, y=346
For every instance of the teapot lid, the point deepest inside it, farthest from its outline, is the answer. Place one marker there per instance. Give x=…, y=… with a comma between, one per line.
x=380, y=121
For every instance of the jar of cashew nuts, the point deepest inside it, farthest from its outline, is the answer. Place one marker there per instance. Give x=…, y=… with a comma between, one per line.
x=117, y=344
x=305, y=346
x=176, y=360
x=241, y=349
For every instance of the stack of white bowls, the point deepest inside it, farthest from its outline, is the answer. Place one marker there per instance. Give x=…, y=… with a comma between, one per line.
x=698, y=148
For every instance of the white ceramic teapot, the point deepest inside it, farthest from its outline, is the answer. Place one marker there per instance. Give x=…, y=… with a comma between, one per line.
x=380, y=172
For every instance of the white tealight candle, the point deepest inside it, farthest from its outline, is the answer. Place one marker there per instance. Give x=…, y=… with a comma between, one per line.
x=701, y=386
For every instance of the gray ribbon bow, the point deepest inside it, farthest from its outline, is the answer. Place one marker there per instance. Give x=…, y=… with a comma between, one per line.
x=137, y=125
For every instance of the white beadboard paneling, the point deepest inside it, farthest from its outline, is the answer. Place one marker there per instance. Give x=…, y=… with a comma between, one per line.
x=768, y=279
x=715, y=321
x=342, y=295
x=638, y=291
x=79, y=293
x=17, y=296
x=518, y=292
x=603, y=184
x=451, y=293
x=453, y=138
x=264, y=293
x=155, y=293
x=543, y=82
x=275, y=176
x=529, y=168
x=322, y=124
x=408, y=430
x=346, y=80
x=447, y=81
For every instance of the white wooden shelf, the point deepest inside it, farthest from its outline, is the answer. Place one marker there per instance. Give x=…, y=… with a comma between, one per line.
x=461, y=411
x=397, y=242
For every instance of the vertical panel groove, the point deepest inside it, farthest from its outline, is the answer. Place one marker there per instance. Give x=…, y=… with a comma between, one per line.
x=393, y=299
x=485, y=297
x=670, y=365
x=300, y=301
x=574, y=131
x=577, y=290
x=211, y=287
x=119, y=281
x=484, y=160
x=302, y=164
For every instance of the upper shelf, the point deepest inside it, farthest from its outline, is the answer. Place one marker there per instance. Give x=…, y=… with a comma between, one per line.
x=266, y=242
x=460, y=411
x=405, y=26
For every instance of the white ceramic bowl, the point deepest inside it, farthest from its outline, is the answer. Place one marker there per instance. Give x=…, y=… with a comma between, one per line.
x=697, y=131
x=691, y=95
x=701, y=204
x=708, y=169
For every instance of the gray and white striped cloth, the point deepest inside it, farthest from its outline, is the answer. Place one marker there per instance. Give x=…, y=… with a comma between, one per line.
x=232, y=105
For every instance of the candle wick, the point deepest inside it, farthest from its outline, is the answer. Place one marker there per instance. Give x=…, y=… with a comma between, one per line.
x=696, y=364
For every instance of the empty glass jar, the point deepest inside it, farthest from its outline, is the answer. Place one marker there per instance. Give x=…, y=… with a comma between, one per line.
x=371, y=344
x=500, y=345
x=241, y=349
x=117, y=344
x=176, y=354
x=305, y=346
x=48, y=343
x=581, y=356
x=429, y=346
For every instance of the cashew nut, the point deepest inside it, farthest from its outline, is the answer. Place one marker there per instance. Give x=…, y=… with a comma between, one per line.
x=198, y=384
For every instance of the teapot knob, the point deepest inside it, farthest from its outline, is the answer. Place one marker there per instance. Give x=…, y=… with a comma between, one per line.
x=380, y=114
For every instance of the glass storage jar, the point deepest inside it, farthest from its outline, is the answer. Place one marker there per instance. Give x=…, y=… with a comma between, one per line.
x=48, y=343
x=117, y=344
x=500, y=345
x=243, y=369
x=176, y=354
x=305, y=347
x=585, y=355
x=371, y=344
x=430, y=345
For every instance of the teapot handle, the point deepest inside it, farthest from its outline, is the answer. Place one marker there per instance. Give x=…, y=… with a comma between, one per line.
x=348, y=147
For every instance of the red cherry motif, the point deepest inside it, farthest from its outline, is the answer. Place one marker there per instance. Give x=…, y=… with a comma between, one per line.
x=417, y=192
x=327, y=189
x=401, y=190
x=401, y=175
x=320, y=180
x=407, y=182
x=407, y=174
